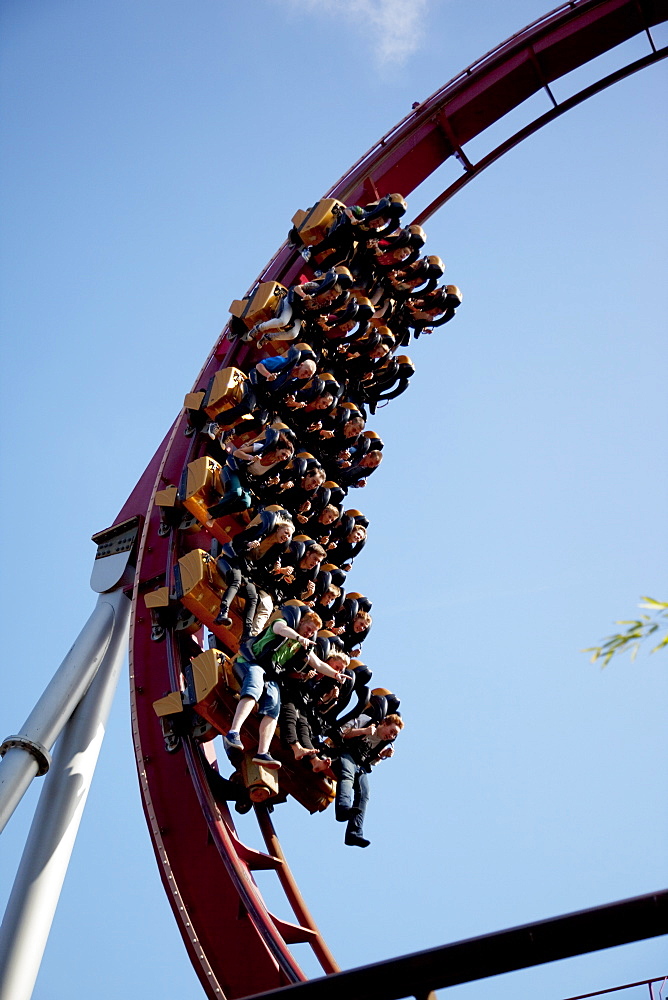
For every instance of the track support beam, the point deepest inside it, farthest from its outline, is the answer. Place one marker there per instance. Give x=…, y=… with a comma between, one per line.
x=100, y=652
x=27, y=754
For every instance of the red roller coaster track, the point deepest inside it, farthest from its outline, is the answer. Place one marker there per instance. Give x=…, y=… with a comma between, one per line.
x=237, y=947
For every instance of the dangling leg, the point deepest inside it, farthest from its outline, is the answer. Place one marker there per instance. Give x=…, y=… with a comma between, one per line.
x=354, y=836
x=269, y=706
x=235, y=497
x=265, y=606
x=251, y=676
x=250, y=607
x=295, y=729
x=232, y=577
x=345, y=772
x=285, y=333
x=304, y=741
x=266, y=734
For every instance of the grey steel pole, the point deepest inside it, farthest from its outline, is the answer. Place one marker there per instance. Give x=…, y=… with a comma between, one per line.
x=40, y=876
x=28, y=753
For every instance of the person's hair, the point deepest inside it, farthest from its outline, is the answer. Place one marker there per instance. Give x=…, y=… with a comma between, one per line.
x=316, y=548
x=338, y=654
x=311, y=616
x=317, y=472
x=332, y=588
x=363, y=616
x=358, y=527
x=281, y=523
x=394, y=720
x=331, y=508
x=283, y=441
x=307, y=361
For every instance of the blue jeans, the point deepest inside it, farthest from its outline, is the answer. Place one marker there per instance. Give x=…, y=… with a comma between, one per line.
x=352, y=789
x=254, y=685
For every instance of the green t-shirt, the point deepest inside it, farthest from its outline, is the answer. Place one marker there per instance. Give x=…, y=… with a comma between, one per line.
x=283, y=649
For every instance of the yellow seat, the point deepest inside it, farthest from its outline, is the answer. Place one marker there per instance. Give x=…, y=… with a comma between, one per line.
x=193, y=400
x=201, y=491
x=215, y=687
x=200, y=585
x=313, y=224
x=262, y=305
x=225, y=391
x=200, y=589
x=212, y=674
x=166, y=497
x=171, y=704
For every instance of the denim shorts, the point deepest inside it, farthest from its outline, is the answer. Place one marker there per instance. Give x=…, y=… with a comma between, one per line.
x=254, y=685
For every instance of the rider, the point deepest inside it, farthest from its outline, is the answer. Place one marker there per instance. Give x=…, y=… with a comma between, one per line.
x=261, y=661
x=364, y=744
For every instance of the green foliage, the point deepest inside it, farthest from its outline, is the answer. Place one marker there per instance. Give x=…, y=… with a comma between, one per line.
x=637, y=632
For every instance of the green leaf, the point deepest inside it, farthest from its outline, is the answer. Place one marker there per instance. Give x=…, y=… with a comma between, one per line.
x=638, y=630
x=651, y=603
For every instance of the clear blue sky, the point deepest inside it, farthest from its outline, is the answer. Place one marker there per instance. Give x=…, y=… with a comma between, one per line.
x=154, y=153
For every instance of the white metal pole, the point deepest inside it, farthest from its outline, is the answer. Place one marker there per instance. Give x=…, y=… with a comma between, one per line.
x=40, y=876
x=28, y=753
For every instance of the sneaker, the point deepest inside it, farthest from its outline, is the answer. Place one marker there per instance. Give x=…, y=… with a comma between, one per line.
x=267, y=761
x=232, y=741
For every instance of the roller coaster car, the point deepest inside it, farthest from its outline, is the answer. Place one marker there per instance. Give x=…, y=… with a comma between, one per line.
x=200, y=587
x=313, y=791
x=200, y=489
x=313, y=224
x=225, y=390
x=215, y=687
x=261, y=305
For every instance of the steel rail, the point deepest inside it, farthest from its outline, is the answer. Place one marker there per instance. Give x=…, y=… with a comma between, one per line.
x=500, y=81
x=418, y=974
x=618, y=989
x=474, y=169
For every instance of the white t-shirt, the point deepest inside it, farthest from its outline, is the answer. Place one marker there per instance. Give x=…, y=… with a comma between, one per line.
x=255, y=468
